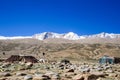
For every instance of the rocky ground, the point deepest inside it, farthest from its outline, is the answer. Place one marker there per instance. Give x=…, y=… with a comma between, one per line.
x=59, y=71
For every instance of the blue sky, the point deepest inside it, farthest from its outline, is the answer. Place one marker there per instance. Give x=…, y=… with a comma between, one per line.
x=27, y=17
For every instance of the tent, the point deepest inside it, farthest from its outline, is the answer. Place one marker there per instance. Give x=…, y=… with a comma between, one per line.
x=106, y=59
x=14, y=58
x=117, y=59
x=29, y=59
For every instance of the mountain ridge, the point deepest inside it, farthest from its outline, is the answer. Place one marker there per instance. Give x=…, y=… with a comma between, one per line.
x=69, y=36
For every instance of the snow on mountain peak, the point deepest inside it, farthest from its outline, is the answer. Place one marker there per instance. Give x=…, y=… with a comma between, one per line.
x=69, y=36
x=46, y=35
x=73, y=36
x=105, y=35
x=15, y=37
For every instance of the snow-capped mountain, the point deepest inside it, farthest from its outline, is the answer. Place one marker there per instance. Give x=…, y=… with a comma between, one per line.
x=69, y=36
x=104, y=35
x=46, y=35
x=74, y=36
x=15, y=37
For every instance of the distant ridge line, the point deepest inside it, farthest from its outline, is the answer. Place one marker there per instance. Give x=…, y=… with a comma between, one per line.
x=69, y=36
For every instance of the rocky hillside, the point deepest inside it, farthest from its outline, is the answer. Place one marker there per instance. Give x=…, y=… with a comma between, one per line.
x=56, y=51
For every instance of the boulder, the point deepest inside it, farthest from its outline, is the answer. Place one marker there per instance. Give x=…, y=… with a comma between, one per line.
x=47, y=77
x=91, y=77
x=65, y=61
x=84, y=70
x=5, y=65
x=38, y=74
x=50, y=73
x=109, y=71
x=28, y=77
x=99, y=69
x=20, y=74
x=29, y=65
x=78, y=77
x=55, y=77
x=69, y=70
x=112, y=75
x=5, y=74
x=99, y=79
x=88, y=76
x=68, y=75
x=99, y=74
x=40, y=78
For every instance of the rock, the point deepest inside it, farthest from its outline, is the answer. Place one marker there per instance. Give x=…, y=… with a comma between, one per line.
x=38, y=74
x=78, y=77
x=87, y=76
x=47, y=77
x=85, y=70
x=99, y=79
x=105, y=67
x=91, y=77
x=110, y=71
x=46, y=67
x=50, y=73
x=40, y=78
x=29, y=65
x=5, y=65
x=68, y=75
x=65, y=61
x=5, y=74
x=22, y=63
x=69, y=70
x=66, y=67
x=118, y=70
x=99, y=74
x=4, y=79
x=56, y=77
x=61, y=66
x=28, y=77
x=6, y=70
x=112, y=75
x=20, y=74
x=99, y=69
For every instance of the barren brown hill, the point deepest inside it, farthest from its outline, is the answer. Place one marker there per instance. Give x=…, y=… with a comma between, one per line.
x=56, y=49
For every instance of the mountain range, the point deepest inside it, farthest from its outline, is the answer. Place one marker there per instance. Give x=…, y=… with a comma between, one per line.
x=68, y=36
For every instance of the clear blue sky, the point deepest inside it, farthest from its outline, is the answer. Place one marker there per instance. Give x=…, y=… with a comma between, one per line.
x=27, y=17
